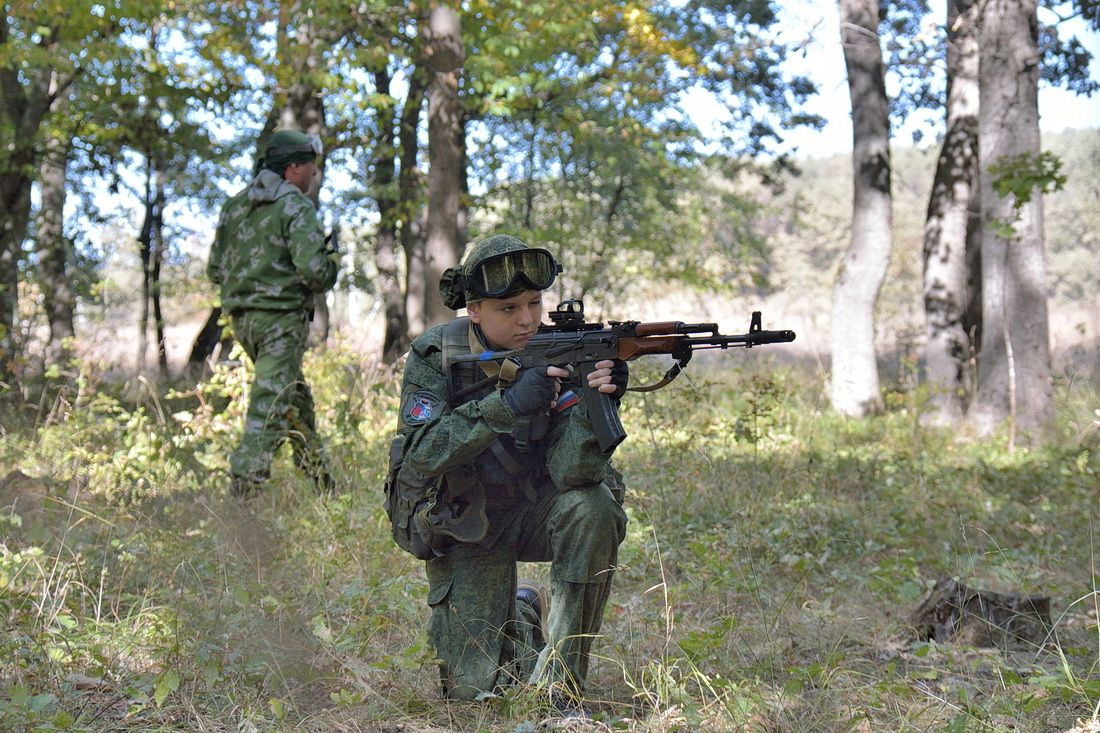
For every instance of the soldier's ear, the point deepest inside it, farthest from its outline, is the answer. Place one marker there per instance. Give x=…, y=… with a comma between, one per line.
x=474, y=311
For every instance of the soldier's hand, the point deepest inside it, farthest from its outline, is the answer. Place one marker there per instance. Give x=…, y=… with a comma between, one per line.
x=535, y=390
x=610, y=377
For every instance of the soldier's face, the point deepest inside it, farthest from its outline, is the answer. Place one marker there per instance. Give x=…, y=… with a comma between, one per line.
x=508, y=323
x=301, y=174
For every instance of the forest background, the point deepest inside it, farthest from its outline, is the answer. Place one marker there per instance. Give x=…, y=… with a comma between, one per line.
x=779, y=540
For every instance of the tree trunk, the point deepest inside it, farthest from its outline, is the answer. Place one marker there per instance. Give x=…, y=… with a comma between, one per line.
x=145, y=250
x=955, y=613
x=302, y=108
x=26, y=98
x=951, y=228
x=305, y=111
x=159, y=250
x=409, y=187
x=443, y=246
x=54, y=252
x=1014, y=372
x=855, y=383
x=208, y=339
x=386, y=243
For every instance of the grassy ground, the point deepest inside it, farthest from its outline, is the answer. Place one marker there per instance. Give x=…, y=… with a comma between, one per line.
x=774, y=559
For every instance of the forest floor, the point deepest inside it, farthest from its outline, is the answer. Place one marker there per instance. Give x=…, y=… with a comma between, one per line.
x=775, y=556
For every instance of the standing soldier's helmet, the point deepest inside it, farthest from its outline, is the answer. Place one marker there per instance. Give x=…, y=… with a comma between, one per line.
x=498, y=267
x=287, y=147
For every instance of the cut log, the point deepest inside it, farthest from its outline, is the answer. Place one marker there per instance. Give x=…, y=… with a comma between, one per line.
x=954, y=613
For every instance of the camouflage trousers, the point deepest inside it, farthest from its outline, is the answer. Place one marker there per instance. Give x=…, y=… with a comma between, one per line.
x=280, y=404
x=482, y=644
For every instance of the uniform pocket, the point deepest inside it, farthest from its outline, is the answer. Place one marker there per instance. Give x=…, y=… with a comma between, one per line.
x=438, y=590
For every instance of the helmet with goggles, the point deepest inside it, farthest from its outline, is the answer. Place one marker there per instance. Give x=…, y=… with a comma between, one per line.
x=497, y=267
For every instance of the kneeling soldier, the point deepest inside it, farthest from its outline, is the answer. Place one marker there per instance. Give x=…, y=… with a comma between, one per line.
x=464, y=496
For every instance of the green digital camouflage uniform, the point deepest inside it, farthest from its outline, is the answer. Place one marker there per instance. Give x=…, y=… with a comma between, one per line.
x=269, y=258
x=565, y=510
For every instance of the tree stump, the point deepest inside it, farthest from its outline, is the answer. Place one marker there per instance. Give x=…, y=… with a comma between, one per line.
x=954, y=613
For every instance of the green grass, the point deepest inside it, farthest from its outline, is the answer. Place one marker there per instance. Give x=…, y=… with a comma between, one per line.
x=775, y=554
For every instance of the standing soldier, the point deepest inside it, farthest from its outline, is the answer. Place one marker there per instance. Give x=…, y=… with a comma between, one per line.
x=270, y=260
x=472, y=500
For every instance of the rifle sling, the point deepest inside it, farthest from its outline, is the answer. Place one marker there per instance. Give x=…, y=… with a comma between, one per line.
x=671, y=374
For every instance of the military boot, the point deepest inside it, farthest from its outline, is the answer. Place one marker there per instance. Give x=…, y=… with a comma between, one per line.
x=534, y=597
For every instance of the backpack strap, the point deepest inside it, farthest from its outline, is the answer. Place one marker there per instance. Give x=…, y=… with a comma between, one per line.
x=463, y=377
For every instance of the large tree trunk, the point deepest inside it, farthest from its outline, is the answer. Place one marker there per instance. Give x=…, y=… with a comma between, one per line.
x=54, y=251
x=412, y=226
x=15, y=198
x=855, y=384
x=304, y=110
x=443, y=246
x=386, y=243
x=951, y=228
x=26, y=98
x=1014, y=372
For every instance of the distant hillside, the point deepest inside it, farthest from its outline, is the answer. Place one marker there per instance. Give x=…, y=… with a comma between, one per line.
x=807, y=227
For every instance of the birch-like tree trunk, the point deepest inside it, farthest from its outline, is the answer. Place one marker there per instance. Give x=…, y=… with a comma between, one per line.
x=854, y=388
x=1014, y=371
x=951, y=229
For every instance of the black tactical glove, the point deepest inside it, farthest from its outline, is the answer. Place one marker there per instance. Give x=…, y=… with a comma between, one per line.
x=532, y=392
x=620, y=377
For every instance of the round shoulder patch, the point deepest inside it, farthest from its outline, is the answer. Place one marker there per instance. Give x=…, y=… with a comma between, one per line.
x=420, y=407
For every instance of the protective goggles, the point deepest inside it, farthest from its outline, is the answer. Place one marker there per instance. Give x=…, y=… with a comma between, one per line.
x=525, y=269
x=313, y=146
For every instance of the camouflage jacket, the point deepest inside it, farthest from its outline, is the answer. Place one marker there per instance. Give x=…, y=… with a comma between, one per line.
x=269, y=252
x=456, y=442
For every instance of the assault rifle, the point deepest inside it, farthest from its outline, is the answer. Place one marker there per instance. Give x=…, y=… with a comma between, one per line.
x=576, y=345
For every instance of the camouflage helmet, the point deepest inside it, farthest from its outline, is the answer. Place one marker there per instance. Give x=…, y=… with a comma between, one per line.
x=497, y=267
x=287, y=147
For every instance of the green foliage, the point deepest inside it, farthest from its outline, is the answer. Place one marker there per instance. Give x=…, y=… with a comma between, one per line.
x=590, y=152
x=1022, y=177
x=773, y=553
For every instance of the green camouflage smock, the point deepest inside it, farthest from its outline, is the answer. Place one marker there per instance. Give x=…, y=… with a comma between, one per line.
x=269, y=258
x=269, y=251
x=561, y=510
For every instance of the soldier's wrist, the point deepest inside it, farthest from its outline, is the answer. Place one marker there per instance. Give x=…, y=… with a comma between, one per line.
x=497, y=414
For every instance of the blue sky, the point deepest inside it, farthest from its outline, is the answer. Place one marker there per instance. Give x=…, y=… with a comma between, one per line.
x=824, y=63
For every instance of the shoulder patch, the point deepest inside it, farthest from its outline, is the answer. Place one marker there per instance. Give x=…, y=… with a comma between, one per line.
x=420, y=407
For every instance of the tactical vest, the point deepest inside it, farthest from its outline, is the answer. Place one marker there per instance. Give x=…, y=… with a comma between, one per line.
x=470, y=379
x=429, y=513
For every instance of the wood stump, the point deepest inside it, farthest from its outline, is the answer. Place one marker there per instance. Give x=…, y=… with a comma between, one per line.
x=954, y=613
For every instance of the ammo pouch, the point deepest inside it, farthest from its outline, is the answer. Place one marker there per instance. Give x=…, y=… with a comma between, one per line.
x=425, y=517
